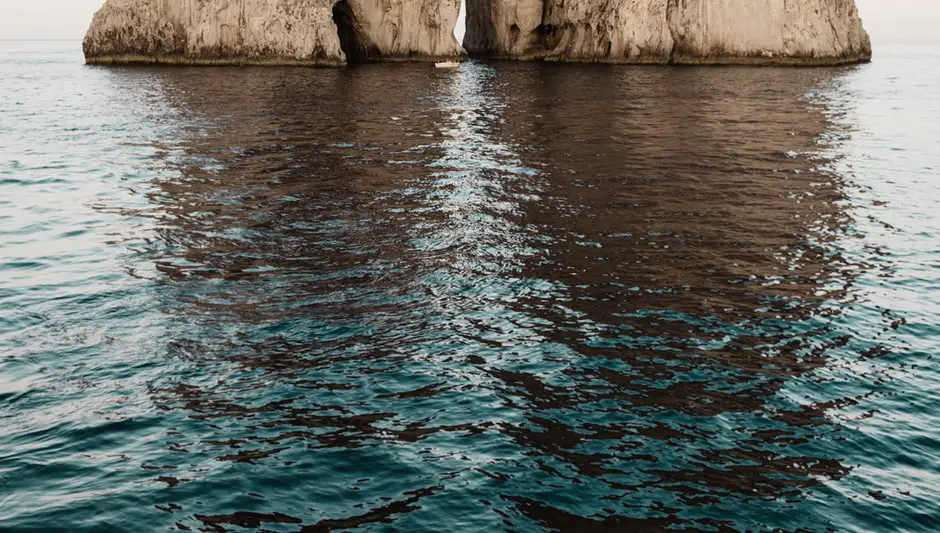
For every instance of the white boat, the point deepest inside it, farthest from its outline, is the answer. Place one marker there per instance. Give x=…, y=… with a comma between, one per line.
x=447, y=64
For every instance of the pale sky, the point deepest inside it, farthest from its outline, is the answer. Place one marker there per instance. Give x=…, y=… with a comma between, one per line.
x=886, y=20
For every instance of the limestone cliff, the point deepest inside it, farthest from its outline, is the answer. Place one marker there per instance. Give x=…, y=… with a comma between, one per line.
x=669, y=31
x=405, y=29
x=301, y=32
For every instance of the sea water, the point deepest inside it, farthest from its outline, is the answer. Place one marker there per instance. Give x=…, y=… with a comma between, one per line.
x=505, y=297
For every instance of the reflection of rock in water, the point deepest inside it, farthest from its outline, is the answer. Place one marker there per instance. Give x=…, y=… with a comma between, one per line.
x=686, y=228
x=528, y=298
x=699, y=186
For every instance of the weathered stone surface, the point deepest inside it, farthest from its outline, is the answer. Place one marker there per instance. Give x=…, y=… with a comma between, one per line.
x=301, y=32
x=406, y=29
x=669, y=31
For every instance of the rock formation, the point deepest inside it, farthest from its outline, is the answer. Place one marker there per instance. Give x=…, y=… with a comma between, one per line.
x=804, y=32
x=283, y=32
x=333, y=32
x=405, y=29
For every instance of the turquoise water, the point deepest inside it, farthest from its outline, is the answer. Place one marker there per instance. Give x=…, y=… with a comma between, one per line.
x=511, y=297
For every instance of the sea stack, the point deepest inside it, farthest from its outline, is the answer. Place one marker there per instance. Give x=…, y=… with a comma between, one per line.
x=789, y=32
x=336, y=32
x=272, y=32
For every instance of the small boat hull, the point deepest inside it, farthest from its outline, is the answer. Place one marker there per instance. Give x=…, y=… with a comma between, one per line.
x=447, y=64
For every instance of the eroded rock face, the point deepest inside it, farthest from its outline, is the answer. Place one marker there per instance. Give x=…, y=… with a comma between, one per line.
x=406, y=29
x=669, y=31
x=301, y=32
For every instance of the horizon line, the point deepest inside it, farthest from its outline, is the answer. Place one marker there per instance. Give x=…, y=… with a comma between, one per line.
x=34, y=39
